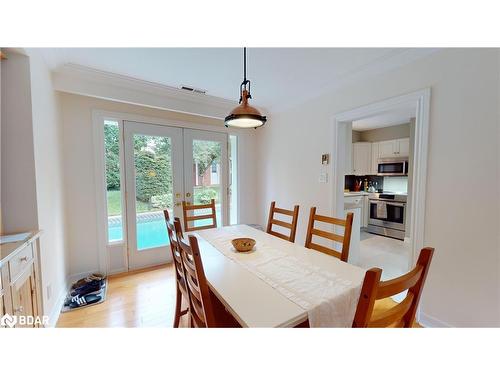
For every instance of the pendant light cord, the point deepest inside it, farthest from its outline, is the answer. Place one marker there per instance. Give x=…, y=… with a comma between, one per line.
x=245, y=80
x=244, y=64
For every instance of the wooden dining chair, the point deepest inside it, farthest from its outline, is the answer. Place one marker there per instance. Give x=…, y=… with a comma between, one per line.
x=401, y=315
x=191, y=207
x=273, y=221
x=345, y=240
x=200, y=303
x=181, y=290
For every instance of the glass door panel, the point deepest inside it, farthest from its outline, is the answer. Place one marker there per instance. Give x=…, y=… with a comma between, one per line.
x=153, y=158
x=206, y=173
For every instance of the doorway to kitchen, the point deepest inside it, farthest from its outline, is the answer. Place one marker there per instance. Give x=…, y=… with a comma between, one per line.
x=379, y=173
x=145, y=168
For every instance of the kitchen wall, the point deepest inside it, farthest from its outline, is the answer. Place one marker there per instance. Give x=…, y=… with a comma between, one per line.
x=463, y=284
x=80, y=173
x=383, y=134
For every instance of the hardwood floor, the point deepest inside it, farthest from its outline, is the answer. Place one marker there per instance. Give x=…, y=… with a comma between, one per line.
x=139, y=299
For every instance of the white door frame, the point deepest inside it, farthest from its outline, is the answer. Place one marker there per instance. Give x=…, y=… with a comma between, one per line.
x=421, y=100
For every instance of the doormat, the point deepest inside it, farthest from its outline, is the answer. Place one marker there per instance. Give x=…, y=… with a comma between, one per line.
x=101, y=295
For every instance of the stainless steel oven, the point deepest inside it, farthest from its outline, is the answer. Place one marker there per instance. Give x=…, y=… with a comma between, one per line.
x=387, y=214
x=392, y=167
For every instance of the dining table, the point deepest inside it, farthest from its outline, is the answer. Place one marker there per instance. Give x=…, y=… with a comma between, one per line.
x=278, y=283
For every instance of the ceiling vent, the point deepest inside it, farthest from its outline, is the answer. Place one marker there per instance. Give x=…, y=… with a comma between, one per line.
x=193, y=89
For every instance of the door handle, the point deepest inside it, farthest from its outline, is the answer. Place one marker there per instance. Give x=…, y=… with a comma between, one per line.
x=177, y=204
x=188, y=195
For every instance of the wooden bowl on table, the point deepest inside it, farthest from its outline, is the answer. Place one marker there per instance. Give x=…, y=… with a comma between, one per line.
x=243, y=245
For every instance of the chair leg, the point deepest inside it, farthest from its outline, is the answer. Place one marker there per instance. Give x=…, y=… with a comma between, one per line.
x=178, y=303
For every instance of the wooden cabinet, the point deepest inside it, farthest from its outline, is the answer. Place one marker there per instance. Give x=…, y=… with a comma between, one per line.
x=394, y=148
x=361, y=158
x=24, y=299
x=19, y=282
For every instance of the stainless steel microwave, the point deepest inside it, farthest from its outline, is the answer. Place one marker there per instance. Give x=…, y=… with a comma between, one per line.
x=392, y=167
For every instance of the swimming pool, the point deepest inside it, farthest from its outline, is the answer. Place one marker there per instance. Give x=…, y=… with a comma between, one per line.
x=151, y=229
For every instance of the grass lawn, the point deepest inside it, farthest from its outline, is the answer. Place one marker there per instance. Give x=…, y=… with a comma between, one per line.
x=114, y=203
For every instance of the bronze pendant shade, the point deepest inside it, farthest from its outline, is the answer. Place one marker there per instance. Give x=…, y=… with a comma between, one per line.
x=244, y=115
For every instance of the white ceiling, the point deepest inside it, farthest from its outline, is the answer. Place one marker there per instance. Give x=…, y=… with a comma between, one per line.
x=397, y=116
x=281, y=77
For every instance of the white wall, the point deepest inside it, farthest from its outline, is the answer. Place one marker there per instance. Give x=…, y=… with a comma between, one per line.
x=32, y=180
x=18, y=162
x=48, y=151
x=461, y=220
x=81, y=211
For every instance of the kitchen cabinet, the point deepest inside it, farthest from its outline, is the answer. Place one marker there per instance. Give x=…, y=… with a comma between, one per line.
x=24, y=300
x=361, y=158
x=375, y=156
x=394, y=148
x=403, y=147
x=360, y=201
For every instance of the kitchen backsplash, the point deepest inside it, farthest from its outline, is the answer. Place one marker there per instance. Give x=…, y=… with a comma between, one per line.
x=397, y=184
x=350, y=180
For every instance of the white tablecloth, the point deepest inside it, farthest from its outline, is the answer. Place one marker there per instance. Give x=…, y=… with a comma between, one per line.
x=322, y=285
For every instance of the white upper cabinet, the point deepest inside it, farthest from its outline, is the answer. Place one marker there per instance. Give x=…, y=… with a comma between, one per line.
x=403, y=147
x=375, y=153
x=386, y=149
x=361, y=158
x=394, y=148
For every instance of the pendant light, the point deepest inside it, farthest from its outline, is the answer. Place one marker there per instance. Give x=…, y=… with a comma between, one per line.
x=244, y=115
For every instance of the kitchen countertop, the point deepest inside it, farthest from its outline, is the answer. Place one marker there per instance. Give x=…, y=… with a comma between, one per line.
x=355, y=193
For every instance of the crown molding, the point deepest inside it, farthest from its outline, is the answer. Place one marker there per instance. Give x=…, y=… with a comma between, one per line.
x=81, y=80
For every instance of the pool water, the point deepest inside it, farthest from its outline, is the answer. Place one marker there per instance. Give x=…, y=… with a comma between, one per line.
x=151, y=232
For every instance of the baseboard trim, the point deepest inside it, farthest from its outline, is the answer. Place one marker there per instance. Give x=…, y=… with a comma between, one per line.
x=56, y=310
x=428, y=321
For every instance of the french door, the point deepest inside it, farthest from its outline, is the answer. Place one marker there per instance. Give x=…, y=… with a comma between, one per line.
x=164, y=166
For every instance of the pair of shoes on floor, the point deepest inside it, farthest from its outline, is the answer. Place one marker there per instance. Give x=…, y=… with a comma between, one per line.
x=85, y=291
x=89, y=287
x=82, y=300
x=89, y=278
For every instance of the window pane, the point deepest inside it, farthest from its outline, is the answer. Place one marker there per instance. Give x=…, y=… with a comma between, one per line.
x=207, y=178
x=113, y=187
x=153, y=183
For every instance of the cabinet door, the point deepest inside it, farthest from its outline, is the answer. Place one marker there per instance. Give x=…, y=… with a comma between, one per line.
x=386, y=149
x=403, y=147
x=361, y=158
x=24, y=296
x=375, y=156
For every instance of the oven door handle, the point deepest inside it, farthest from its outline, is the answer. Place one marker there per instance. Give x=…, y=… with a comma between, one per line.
x=396, y=204
x=388, y=202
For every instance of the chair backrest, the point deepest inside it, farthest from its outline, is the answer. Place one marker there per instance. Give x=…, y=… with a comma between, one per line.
x=292, y=226
x=191, y=207
x=403, y=313
x=173, y=237
x=200, y=305
x=345, y=240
